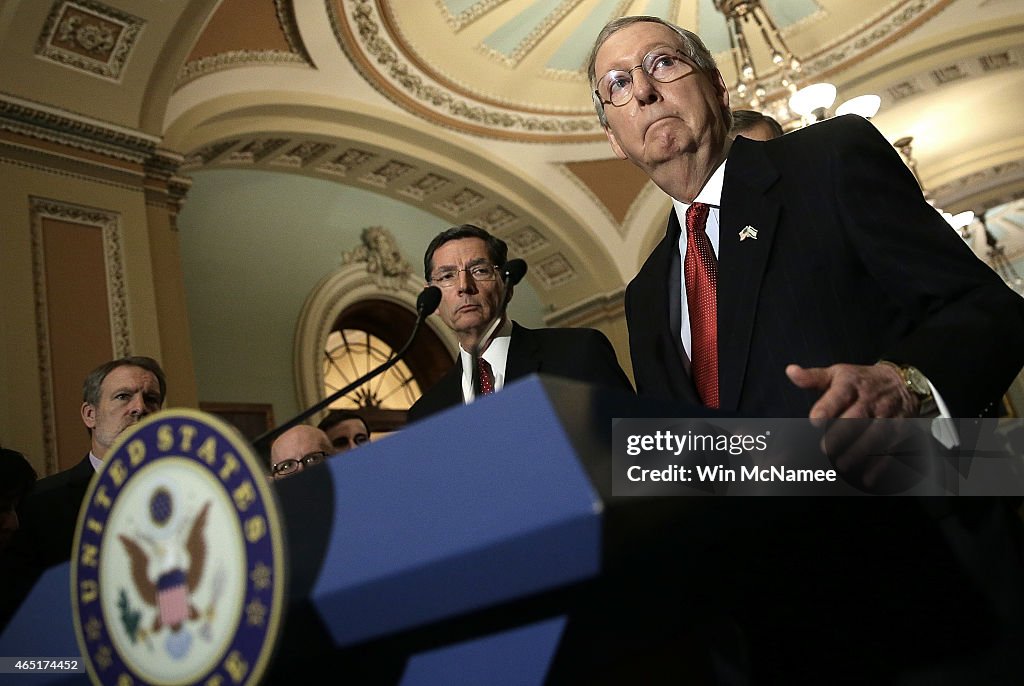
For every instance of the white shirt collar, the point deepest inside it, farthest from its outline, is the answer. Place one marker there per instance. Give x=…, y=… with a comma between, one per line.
x=710, y=194
x=496, y=356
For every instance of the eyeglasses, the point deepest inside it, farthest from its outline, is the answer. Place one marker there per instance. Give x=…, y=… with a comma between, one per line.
x=446, y=278
x=285, y=467
x=616, y=88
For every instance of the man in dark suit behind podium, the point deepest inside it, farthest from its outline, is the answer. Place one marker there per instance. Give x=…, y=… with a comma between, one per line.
x=115, y=396
x=465, y=262
x=807, y=276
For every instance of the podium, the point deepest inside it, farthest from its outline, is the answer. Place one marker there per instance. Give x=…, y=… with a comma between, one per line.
x=483, y=545
x=477, y=546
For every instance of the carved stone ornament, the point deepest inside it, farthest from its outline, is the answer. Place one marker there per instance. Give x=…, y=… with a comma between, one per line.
x=382, y=257
x=89, y=36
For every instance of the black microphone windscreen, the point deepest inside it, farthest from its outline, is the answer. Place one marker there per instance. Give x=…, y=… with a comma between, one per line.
x=514, y=271
x=428, y=301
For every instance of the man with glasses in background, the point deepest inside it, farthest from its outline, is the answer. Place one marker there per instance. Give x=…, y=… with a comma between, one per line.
x=296, y=449
x=465, y=262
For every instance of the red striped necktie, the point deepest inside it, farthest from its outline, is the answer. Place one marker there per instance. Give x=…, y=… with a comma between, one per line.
x=700, y=272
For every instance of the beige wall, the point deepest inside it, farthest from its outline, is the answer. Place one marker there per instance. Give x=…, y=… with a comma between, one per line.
x=95, y=262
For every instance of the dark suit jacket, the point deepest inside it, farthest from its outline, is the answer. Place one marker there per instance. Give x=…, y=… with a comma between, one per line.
x=579, y=354
x=49, y=513
x=850, y=264
x=47, y=519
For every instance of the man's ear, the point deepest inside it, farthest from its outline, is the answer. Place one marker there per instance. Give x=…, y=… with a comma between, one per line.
x=89, y=416
x=614, y=142
x=721, y=90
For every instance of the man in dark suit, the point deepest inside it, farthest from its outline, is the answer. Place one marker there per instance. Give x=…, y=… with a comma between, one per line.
x=465, y=262
x=115, y=396
x=807, y=276
x=828, y=257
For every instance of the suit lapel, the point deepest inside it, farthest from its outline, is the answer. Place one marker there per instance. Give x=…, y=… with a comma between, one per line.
x=523, y=354
x=742, y=263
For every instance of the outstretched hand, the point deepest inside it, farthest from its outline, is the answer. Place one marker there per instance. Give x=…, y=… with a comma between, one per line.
x=873, y=454
x=856, y=391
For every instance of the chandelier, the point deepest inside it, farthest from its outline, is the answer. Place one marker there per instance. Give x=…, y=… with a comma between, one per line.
x=750, y=83
x=999, y=261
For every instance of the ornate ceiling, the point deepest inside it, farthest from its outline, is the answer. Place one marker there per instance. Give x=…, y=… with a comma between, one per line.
x=478, y=110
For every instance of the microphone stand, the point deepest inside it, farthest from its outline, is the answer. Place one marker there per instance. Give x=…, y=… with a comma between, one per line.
x=265, y=439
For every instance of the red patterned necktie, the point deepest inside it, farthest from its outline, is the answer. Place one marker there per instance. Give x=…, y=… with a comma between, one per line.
x=701, y=276
x=486, y=377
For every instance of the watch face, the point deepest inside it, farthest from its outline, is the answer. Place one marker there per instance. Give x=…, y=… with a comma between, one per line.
x=916, y=381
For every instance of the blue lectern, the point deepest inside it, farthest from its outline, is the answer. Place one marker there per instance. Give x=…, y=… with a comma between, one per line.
x=473, y=547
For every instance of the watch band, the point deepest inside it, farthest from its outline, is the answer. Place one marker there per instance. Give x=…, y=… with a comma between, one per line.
x=915, y=381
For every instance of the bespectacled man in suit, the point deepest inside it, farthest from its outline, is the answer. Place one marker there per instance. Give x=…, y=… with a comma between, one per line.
x=465, y=262
x=806, y=276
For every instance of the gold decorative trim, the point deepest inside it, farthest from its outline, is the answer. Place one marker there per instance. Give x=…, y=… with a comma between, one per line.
x=956, y=191
x=70, y=175
x=27, y=119
x=457, y=21
x=871, y=37
x=286, y=18
x=366, y=43
x=555, y=270
x=110, y=225
x=234, y=59
x=90, y=37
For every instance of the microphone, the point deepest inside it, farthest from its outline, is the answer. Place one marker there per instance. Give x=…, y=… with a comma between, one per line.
x=427, y=301
x=512, y=273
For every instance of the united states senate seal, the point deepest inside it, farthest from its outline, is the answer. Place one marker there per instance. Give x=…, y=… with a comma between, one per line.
x=177, y=573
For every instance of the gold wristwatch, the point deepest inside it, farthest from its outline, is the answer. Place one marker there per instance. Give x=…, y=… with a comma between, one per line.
x=915, y=381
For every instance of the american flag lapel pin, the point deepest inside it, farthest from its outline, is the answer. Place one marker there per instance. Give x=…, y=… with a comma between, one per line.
x=748, y=232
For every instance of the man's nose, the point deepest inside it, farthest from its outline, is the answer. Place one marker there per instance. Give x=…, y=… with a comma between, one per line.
x=138, y=407
x=466, y=282
x=644, y=89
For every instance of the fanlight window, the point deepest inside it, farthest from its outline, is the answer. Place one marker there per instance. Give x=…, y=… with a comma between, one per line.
x=350, y=353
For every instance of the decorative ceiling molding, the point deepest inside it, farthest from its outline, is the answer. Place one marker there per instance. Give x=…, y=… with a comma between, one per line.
x=67, y=129
x=296, y=55
x=956, y=193
x=411, y=181
x=960, y=71
x=363, y=35
x=851, y=49
x=237, y=58
x=871, y=37
x=89, y=36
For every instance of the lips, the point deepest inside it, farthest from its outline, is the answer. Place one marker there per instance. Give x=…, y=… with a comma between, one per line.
x=655, y=120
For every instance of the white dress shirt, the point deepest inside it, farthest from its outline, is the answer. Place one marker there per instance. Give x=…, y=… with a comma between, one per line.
x=496, y=356
x=711, y=195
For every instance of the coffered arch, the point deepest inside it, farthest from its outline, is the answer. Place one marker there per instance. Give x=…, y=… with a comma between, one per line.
x=453, y=178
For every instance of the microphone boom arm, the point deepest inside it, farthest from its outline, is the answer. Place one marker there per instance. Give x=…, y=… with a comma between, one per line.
x=426, y=307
